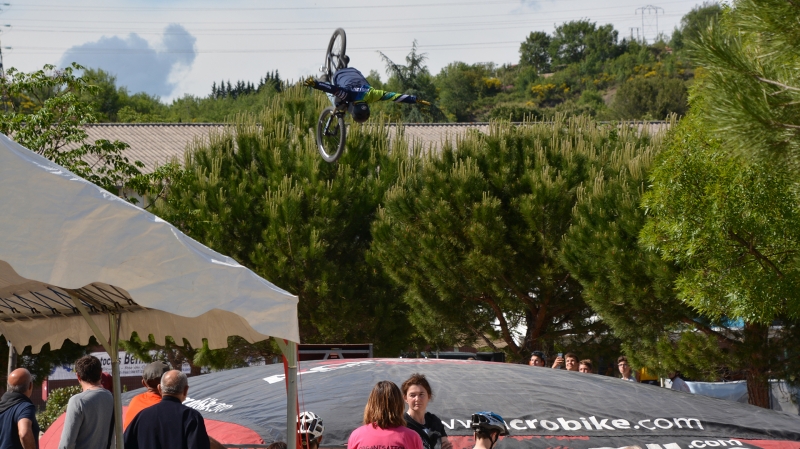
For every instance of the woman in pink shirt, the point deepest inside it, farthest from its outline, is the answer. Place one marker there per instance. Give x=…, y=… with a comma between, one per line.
x=384, y=426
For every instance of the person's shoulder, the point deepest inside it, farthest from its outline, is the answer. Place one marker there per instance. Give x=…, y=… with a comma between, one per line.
x=23, y=410
x=430, y=416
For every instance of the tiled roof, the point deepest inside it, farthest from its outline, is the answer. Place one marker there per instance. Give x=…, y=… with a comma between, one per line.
x=154, y=143
x=157, y=143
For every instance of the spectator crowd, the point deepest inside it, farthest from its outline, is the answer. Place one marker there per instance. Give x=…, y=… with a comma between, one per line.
x=569, y=361
x=393, y=416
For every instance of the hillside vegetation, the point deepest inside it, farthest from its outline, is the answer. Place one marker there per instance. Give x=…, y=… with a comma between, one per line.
x=582, y=68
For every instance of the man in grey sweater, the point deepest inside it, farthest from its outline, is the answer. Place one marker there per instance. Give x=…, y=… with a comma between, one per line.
x=90, y=414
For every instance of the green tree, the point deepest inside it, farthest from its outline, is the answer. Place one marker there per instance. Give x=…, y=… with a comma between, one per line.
x=45, y=113
x=42, y=363
x=750, y=61
x=460, y=85
x=535, y=51
x=262, y=195
x=412, y=79
x=475, y=233
x=581, y=40
x=733, y=228
x=105, y=98
x=694, y=23
x=651, y=98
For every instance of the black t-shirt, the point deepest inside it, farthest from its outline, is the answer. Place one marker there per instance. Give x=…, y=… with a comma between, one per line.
x=430, y=433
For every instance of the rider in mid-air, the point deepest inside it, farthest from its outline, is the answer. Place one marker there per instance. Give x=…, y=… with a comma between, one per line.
x=349, y=86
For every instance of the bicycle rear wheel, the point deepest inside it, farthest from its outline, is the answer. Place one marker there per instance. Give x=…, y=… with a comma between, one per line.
x=331, y=135
x=335, y=55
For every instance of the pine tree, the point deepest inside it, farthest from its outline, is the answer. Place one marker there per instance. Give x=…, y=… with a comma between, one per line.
x=475, y=233
x=261, y=194
x=750, y=63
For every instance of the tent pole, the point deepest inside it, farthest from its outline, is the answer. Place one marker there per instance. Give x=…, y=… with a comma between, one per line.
x=289, y=350
x=114, y=321
x=12, y=359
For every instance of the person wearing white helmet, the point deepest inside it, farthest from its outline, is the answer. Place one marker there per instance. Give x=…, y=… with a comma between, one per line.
x=309, y=430
x=488, y=427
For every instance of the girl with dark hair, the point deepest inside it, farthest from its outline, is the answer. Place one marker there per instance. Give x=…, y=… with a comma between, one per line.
x=384, y=425
x=417, y=393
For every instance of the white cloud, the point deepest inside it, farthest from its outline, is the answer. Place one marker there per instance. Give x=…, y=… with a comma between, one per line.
x=137, y=65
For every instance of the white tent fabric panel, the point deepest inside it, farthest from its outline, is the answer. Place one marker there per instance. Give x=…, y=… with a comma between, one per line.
x=61, y=230
x=215, y=326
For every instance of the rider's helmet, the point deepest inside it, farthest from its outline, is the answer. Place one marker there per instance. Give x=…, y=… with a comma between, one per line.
x=489, y=422
x=309, y=427
x=359, y=111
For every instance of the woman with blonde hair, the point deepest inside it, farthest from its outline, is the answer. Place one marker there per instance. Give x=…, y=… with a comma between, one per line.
x=383, y=421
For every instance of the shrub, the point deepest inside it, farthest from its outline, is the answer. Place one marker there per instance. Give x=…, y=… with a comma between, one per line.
x=56, y=405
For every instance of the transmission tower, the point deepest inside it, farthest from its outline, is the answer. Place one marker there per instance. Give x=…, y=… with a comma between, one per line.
x=635, y=37
x=649, y=21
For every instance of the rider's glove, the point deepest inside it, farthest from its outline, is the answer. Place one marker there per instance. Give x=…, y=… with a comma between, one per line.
x=310, y=82
x=423, y=102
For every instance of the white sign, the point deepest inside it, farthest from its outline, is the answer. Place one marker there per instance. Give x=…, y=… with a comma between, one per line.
x=129, y=366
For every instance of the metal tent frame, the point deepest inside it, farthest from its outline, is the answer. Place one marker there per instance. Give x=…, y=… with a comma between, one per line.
x=38, y=302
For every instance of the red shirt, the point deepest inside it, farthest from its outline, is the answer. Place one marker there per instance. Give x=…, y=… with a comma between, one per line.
x=139, y=403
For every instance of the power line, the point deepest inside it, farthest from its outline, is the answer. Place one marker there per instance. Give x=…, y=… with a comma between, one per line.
x=61, y=7
x=430, y=28
x=475, y=45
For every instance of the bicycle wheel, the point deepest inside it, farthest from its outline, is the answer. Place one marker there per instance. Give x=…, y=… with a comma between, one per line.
x=331, y=135
x=335, y=56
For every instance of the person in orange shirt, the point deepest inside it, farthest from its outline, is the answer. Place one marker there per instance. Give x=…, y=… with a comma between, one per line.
x=151, y=377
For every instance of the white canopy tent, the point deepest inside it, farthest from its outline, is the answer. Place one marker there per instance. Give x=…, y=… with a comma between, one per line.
x=77, y=261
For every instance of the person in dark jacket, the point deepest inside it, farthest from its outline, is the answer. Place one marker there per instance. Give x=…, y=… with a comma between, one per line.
x=18, y=426
x=168, y=424
x=351, y=87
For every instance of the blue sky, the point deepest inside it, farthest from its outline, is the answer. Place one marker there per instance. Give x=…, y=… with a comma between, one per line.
x=172, y=48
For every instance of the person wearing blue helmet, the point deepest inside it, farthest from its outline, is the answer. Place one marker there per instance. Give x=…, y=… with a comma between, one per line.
x=487, y=428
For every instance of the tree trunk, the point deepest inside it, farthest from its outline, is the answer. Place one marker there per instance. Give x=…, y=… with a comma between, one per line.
x=757, y=336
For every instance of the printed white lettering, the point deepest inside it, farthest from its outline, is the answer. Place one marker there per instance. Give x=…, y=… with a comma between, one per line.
x=466, y=425
x=621, y=424
x=549, y=425
x=600, y=425
x=569, y=424
x=654, y=446
x=516, y=424
x=207, y=405
x=531, y=423
x=586, y=423
x=317, y=369
x=660, y=426
x=672, y=446
x=448, y=425
x=688, y=422
x=714, y=443
x=641, y=423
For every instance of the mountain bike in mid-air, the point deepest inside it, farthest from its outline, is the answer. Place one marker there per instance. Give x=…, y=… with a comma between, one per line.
x=350, y=93
x=331, y=130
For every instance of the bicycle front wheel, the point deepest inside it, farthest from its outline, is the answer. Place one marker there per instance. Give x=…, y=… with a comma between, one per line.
x=334, y=57
x=331, y=135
